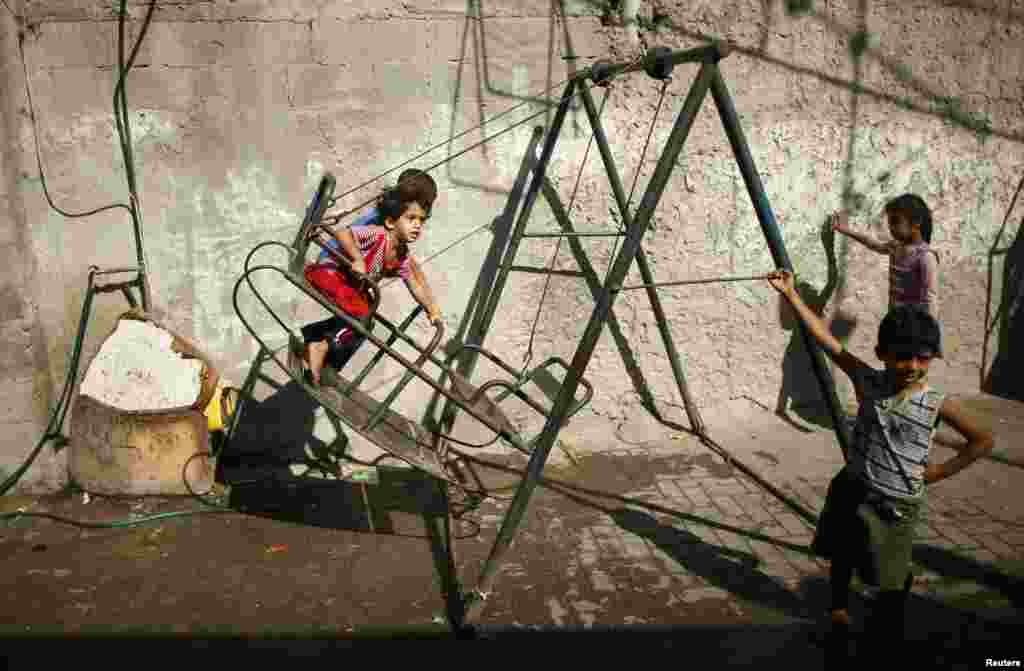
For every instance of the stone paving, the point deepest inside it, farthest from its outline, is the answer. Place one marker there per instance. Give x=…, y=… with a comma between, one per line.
x=688, y=534
x=662, y=537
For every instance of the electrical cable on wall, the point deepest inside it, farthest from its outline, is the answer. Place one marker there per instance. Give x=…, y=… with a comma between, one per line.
x=57, y=417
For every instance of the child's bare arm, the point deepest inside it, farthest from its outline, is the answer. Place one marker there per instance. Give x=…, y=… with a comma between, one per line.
x=841, y=225
x=782, y=280
x=420, y=290
x=979, y=443
x=351, y=249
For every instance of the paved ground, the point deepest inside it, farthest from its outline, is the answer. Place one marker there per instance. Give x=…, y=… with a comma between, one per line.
x=663, y=541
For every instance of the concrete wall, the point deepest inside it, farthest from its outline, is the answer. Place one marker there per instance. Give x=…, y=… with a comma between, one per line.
x=237, y=108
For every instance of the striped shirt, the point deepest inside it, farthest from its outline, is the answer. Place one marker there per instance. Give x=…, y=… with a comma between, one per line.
x=371, y=216
x=892, y=437
x=370, y=239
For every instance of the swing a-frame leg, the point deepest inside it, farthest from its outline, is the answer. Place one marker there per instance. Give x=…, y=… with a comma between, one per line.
x=658, y=64
x=620, y=267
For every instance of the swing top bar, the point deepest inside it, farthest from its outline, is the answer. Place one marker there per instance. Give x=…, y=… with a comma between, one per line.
x=657, y=62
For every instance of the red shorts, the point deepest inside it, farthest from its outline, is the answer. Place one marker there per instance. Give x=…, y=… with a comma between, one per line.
x=332, y=283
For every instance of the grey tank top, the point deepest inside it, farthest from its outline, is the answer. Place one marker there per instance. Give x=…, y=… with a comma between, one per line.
x=892, y=437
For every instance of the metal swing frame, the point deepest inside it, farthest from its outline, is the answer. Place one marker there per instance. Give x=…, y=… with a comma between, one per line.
x=658, y=63
x=509, y=232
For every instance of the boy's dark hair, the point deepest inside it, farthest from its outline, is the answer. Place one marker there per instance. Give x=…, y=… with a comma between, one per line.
x=414, y=186
x=915, y=210
x=908, y=331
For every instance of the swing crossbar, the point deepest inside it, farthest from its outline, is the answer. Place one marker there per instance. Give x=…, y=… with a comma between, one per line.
x=547, y=271
x=600, y=234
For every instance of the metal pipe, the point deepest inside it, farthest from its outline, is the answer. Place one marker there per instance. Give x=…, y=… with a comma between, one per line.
x=645, y=271
x=358, y=379
x=727, y=112
x=490, y=282
x=531, y=198
x=594, y=285
x=503, y=229
x=245, y=394
x=710, y=53
x=491, y=289
x=383, y=407
x=545, y=271
x=709, y=280
x=356, y=326
x=111, y=271
x=617, y=234
x=115, y=286
x=473, y=314
x=585, y=348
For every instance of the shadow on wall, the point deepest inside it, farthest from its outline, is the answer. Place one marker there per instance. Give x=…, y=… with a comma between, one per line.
x=1005, y=374
x=800, y=392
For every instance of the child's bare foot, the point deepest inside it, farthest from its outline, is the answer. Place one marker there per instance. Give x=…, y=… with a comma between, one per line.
x=315, y=354
x=840, y=619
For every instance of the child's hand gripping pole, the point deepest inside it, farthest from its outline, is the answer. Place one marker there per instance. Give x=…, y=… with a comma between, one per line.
x=782, y=281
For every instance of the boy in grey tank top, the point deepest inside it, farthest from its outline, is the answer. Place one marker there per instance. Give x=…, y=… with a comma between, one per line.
x=873, y=503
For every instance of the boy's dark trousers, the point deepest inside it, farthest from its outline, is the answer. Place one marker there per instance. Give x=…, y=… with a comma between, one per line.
x=842, y=538
x=327, y=329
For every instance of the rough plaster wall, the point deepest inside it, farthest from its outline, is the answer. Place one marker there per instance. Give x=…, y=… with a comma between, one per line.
x=24, y=394
x=238, y=107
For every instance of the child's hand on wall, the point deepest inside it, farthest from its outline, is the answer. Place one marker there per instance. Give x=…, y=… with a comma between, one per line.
x=840, y=222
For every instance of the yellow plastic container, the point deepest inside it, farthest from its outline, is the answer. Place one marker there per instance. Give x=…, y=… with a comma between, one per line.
x=220, y=408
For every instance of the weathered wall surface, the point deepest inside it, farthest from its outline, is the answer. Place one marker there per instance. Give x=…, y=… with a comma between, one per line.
x=238, y=108
x=25, y=391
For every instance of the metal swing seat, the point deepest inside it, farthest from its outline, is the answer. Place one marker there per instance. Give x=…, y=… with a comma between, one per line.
x=375, y=420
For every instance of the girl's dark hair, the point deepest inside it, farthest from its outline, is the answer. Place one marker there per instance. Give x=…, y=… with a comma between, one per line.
x=414, y=186
x=915, y=210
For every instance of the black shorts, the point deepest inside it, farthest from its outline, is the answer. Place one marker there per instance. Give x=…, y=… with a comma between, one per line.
x=337, y=354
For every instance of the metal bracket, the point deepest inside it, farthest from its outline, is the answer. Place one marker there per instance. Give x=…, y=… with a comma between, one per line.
x=657, y=63
x=602, y=72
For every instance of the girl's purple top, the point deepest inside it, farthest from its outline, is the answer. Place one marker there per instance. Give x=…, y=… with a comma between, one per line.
x=912, y=279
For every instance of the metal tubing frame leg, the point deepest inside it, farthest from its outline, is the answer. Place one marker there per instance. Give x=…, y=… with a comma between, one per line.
x=741, y=150
x=585, y=348
x=643, y=267
x=473, y=321
x=492, y=295
x=593, y=281
x=244, y=395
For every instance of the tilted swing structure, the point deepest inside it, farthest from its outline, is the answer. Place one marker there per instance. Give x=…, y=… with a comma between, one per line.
x=426, y=446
